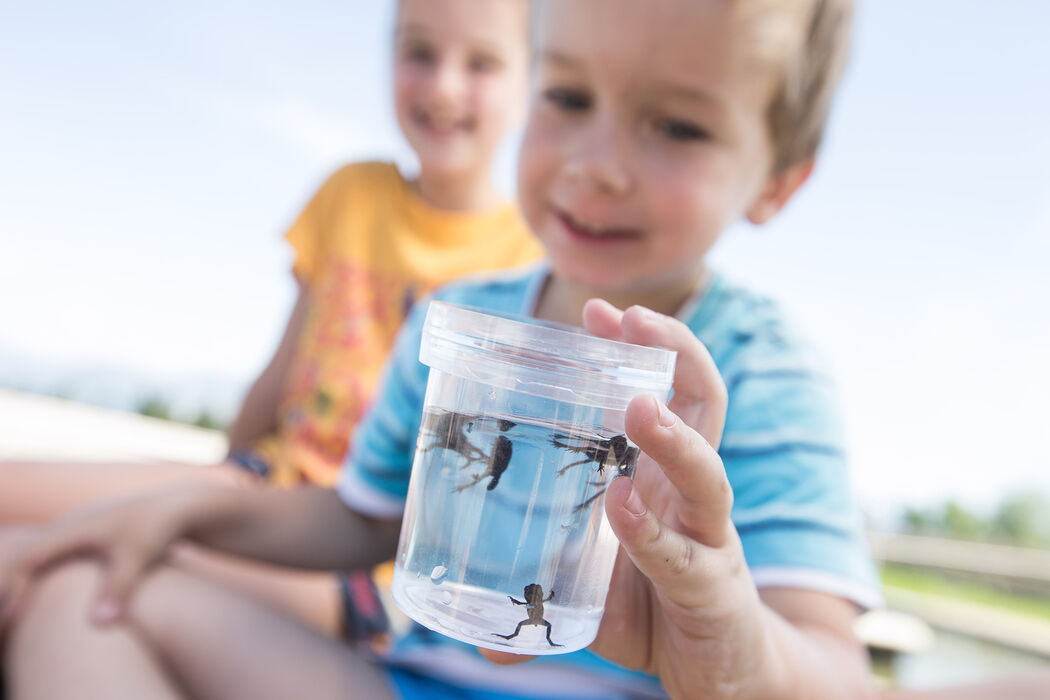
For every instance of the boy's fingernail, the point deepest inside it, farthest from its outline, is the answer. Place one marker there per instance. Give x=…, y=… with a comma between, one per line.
x=634, y=503
x=664, y=416
x=649, y=313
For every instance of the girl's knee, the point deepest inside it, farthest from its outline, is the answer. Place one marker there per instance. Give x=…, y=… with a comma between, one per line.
x=13, y=539
x=53, y=602
x=63, y=589
x=67, y=594
x=163, y=603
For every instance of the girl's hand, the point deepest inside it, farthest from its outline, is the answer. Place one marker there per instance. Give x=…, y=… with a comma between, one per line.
x=129, y=536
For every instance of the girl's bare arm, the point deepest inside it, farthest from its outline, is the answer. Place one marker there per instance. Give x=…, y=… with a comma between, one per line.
x=258, y=414
x=306, y=527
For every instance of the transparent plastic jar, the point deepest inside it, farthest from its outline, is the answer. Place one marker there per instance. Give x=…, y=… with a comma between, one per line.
x=505, y=543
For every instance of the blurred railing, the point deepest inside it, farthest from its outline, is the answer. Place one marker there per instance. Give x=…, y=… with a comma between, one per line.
x=1013, y=569
x=1016, y=569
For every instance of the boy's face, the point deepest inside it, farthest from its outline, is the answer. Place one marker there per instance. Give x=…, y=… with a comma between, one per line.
x=460, y=70
x=646, y=138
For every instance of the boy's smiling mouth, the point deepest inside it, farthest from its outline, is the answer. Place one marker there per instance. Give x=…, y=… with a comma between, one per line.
x=582, y=229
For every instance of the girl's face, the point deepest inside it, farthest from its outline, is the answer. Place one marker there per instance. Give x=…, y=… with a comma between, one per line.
x=460, y=73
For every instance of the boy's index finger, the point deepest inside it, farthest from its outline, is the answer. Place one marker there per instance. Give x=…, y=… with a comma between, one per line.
x=700, y=397
x=603, y=319
x=703, y=496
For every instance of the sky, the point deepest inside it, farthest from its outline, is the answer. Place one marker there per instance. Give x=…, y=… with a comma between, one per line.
x=151, y=158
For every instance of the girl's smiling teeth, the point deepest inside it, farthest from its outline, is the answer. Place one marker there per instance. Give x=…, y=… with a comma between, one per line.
x=592, y=230
x=441, y=123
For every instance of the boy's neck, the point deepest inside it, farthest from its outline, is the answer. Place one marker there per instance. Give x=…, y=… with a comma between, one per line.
x=562, y=300
x=460, y=192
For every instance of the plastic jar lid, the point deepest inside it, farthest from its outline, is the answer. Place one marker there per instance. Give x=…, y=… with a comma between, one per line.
x=545, y=359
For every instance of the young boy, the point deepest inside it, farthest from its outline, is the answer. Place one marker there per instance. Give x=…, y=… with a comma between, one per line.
x=654, y=126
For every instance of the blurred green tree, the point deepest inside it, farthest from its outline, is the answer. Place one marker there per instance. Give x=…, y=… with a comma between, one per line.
x=1023, y=519
x=154, y=407
x=918, y=522
x=207, y=419
x=962, y=524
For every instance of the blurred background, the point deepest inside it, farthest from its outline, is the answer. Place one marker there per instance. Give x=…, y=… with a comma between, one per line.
x=152, y=156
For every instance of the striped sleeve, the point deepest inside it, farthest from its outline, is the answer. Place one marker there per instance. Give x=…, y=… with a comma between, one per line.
x=784, y=453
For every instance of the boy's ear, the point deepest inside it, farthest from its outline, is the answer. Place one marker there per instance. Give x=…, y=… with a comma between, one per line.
x=778, y=190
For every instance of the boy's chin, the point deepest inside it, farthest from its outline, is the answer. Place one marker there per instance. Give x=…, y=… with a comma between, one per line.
x=590, y=277
x=661, y=292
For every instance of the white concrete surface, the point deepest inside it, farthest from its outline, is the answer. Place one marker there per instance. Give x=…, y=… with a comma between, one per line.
x=38, y=427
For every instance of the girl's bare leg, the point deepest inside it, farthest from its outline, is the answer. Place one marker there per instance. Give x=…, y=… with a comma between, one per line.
x=34, y=492
x=220, y=645
x=40, y=491
x=312, y=598
x=54, y=651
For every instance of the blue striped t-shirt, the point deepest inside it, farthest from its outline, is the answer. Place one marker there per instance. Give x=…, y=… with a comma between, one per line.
x=781, y=447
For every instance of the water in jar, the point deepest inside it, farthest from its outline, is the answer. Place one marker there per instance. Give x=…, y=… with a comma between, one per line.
x=505, y=542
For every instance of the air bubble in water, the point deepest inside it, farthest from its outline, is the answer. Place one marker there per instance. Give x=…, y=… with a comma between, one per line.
x=438, y=574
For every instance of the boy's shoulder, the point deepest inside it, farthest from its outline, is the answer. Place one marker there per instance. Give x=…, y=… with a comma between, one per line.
x=511, y=290
x=744, y=330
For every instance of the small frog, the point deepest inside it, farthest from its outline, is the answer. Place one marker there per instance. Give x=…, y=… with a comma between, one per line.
x=448, y=430
x=598, y=450
x=502, y=449
x=603, y=451
x=533, y=603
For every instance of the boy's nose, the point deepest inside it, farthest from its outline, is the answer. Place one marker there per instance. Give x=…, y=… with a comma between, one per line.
x=599, y=160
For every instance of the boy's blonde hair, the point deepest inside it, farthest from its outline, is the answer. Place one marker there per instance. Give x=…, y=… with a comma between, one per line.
x=809, y=42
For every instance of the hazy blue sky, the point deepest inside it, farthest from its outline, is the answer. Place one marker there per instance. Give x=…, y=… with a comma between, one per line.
x=150, y=159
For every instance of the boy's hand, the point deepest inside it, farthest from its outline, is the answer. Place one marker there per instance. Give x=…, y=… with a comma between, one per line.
x=129, y=536
x=681, y=604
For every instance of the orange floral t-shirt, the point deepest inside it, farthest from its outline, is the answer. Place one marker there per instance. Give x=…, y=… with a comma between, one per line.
x=367, y=247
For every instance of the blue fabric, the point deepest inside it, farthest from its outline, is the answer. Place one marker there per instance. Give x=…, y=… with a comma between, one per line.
x=250, y=462
x=782, y=446
x=410, y=685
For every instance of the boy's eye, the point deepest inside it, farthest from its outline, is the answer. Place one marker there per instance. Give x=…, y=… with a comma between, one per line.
x=568, y=99
x=680, y=130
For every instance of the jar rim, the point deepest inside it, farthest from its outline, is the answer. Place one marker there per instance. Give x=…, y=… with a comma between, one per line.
x=541, y=357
